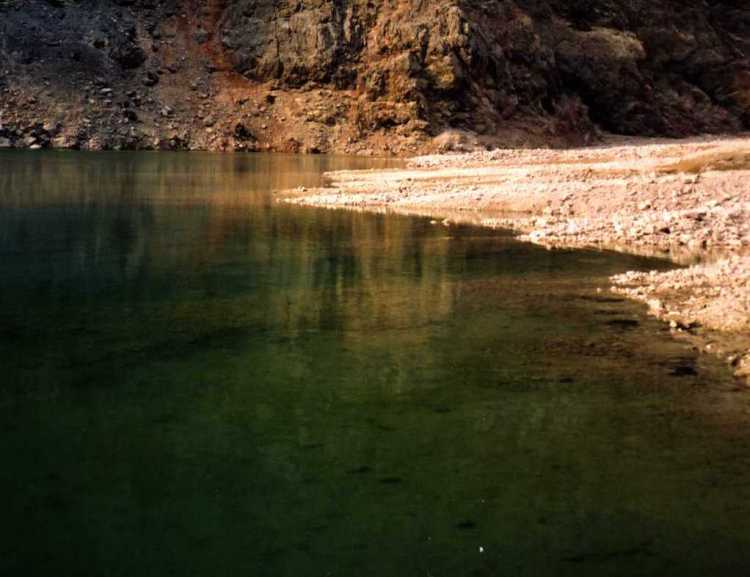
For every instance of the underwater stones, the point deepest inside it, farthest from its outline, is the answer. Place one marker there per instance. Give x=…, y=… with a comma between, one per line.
x=742, y=366
x=684, y=369
x=391, y=481
x=363, y=470
x=625, y=324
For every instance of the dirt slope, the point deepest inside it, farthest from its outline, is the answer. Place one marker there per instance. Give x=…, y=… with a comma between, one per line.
x=368, y=76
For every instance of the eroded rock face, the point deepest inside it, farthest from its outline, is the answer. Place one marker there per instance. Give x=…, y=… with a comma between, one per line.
x=370, y=76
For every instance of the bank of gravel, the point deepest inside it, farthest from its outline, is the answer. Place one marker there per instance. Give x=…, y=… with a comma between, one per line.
x=686, y=200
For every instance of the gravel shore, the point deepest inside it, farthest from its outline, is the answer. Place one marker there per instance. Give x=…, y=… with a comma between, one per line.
x=686, y=200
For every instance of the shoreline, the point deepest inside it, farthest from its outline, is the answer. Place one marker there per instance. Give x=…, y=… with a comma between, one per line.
x=688, y=201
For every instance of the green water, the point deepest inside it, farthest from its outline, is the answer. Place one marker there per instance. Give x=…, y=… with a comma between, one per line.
x=198, y=381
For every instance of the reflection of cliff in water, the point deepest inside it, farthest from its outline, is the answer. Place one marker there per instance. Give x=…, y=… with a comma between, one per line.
x=111, y=213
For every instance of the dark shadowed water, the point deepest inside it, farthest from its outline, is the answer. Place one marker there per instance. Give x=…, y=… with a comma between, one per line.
x=198, y=381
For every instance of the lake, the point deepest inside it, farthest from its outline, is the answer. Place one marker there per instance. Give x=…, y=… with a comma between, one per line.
x=198, y=380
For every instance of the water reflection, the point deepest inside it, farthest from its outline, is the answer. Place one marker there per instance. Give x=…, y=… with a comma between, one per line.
x=200, y=381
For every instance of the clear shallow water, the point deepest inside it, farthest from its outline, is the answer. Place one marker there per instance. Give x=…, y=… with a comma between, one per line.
x=198, y=381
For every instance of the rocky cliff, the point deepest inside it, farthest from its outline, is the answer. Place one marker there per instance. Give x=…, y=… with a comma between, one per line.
x=367, y=76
